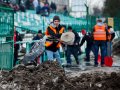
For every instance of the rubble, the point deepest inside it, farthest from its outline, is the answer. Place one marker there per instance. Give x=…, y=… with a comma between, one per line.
x=50, y=76
x=116, y=47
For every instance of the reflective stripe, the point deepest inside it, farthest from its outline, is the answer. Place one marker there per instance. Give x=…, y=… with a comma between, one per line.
x=58, y=45
x=61, y=30
x=46, y=33
x=49, y=43
x=53, y=29
x=99, y=33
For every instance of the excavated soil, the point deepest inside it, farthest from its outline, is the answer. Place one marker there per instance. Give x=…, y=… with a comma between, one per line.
x=50, y=76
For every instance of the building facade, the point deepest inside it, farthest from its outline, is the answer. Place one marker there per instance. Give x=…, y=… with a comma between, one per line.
x=60, y=4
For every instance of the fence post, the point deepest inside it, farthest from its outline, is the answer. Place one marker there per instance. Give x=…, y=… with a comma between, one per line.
x=87, y=17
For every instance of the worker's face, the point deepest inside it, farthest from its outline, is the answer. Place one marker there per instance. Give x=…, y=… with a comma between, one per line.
x=106, y=25
x=39, y=34
x=56, y=22
x=69, y=30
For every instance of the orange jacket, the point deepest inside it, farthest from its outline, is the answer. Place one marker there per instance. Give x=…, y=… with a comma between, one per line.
x=99, y=33
x=49, y=43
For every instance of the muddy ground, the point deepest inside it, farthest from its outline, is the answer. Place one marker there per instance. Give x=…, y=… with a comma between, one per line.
x=50, y=76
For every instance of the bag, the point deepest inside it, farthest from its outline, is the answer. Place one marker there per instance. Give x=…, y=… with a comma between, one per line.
x=108, y=61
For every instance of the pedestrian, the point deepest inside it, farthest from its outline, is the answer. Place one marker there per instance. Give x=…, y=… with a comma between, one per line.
x=110, y=37
x=87, y=37
x=38, y=37
x=100, y=36
x=53, y=7
x=52, y=44
x=17, y=37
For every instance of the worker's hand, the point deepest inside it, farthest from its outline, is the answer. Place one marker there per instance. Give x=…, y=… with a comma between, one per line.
x=22, y=46
x=76, y=43
x=61, y=41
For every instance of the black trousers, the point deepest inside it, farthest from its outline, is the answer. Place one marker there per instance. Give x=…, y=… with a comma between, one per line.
x=15, y=56
x=72, y=50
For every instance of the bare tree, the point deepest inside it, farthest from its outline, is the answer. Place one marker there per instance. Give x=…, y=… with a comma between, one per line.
x=112, y=8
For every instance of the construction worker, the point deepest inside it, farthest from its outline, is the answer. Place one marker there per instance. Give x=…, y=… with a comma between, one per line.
x=38, y=36
x=100, y=36
x=52, y=44
x=110, y=37
x=73, y=49
x=89, y=46
x=17, y=37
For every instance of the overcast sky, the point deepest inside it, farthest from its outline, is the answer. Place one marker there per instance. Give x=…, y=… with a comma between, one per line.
x=98, y=3
x=78, y=6
x=95, y=3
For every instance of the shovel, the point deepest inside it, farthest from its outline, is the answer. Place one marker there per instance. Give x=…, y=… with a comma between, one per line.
x=108, y=61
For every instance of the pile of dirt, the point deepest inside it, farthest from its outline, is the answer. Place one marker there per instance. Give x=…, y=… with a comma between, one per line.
x=50, y=76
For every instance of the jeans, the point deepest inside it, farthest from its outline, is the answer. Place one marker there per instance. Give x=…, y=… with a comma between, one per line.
x=52, y=55
x=102, y=46
x=74, y=51
x=15, y=56
x=109, y=48
x=88, y=50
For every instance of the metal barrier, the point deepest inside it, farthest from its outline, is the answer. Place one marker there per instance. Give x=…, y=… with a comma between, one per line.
x=28, y=48
x=6, y=38
x=6, y=22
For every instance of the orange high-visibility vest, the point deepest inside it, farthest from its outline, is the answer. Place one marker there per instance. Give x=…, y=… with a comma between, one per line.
x=99, y=33
x=109, y=36
x=49, y=43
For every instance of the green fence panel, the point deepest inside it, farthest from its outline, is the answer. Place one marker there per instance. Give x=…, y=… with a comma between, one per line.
x=6, y=38
x=6, y=56
x=116, y=23
x=6, y=22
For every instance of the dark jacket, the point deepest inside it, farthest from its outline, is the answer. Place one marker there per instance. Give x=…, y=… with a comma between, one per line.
x=55, y=37
x=88, y=39
x=113, y=34
x=77, y=39
x=36, y=38
x=18, y=38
